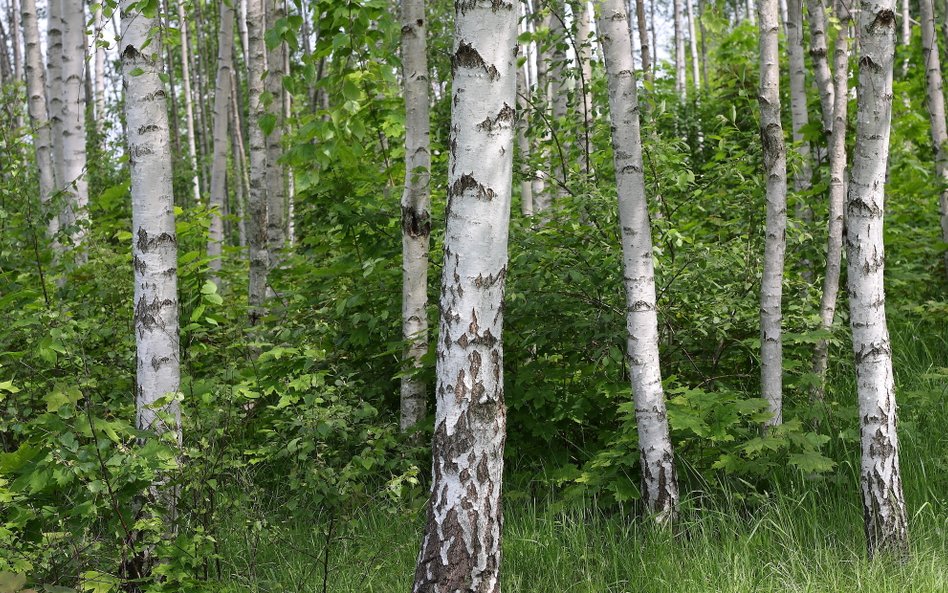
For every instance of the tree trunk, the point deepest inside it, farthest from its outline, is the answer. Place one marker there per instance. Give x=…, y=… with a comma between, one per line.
x=541, y=196
x=584, y=56
x=906, y=23
x=188, y=103
x=821, y=70
x=17, y=40
x=461, y=548
x=837, y=198
x=523, y=144
x=936, y=108
x=883, y=500
x=276, y=193
x=100, y=116
x=154, y=244
x=257, y=199
x=222, y=98
x=680, y=68
x=693, y=45
x=559, y=89
x=75, y=214
x=799, y=117
x=643, y=40
x=659, y=482
x=416, y=218
x=775, y=171
x=39, y=117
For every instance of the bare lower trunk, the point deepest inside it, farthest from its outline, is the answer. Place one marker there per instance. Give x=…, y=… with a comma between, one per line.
x=800, y=118
x=222, y=99
x=75, y=214
x=775, y=172
x=416, y=218
x=257, y=200
x=821, y=69
x=936, y=107
x=906, y=23
x=276, y=192
x=659, y=482
x=883, y=500
x=461, y=548
x=837, y=198
x=188, y=103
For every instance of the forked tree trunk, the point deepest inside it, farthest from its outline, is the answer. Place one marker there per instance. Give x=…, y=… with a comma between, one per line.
x=659, y=482
x=416, y=218
x=775, y=172
x=39, y=117
x=936, y=108
x=461, y=547
x=837, y=199
x=75, y=213
x=257, y=200
x=883, y=500
x=188, y=103
x=222, y=97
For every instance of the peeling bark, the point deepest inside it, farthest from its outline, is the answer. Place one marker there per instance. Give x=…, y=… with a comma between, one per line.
x=659, y=482
x=461, y=548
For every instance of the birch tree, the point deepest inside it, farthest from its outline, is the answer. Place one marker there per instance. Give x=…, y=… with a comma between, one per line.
x=693, y=46
x=837, y=197
x=936, y=108
x=416, y=218
x=883, y=500
x=154, y=243
x=461, y=547
x=659, y=482
x=99, y=67
x=222, y=92
x=54, y=80
x=75, y=214
x=276, y=194
x=680, y=68
x=36, y=102
x=646, y=50
x=188, y=103
x=257, y=200
x=775, y=172
x=799, y=117
x=821, y=71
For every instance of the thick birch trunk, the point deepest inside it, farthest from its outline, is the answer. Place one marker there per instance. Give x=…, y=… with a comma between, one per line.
x=693, y=46
x=39, y=117
x=154, y=244
x=821, y=70
x=257, y=199
x=416, y=218
x=276, y=193
x=883, y=500
x=680, y=68
x=461, y=548
x=222, y=98
x=775, y=172
x=936, y=107
x=75, y=214
x=188, y=103
x=837, y=198
x=646, y=49
x=659, y=483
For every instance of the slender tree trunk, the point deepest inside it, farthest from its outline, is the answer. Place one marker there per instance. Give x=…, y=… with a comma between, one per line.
x=775, y=171
x=799, y=116
x=276, y=193
x=584, y=83
x=541, y=196
x=659, y=482
x=242, y=184
x=54, y=68
x=693, y=45
x=936, y=108
x=290, y=179
x=188, y=103
x=837, y=198
x=258, y=199
x=6, y=69
x=906, y=23
x=461, y=547
x=821, y=70
x=704, y=49
x=558, y=87
x=222, y=99
x=750, y=11
x=883, y=500
x=154, y=244
x=75, y=214
x=643, y=40
x=39, y=117
x=523, y=144
x=17, y=40
x=680, y=67
x=416, y=218
x=99, y=70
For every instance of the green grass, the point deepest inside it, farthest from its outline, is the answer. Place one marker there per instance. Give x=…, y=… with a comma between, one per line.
x=803, y=536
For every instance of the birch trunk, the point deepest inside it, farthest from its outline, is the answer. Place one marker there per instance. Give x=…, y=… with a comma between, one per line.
x=75, y=214
x=558, y=85
x=799, y=117
x=54, y=67
x=936, y=108
x=646, y=50
x=821, y=70
x=837, y=198
x=775, y=171
x=680, y=68
x=17, y=41
x=276, y=193
x=883, y=500
x=523, y=144
x=584, y=84
x=906, y=23
x=461, y=548
x=99, y=68
x=188, y=103
x=222, y=92
x=659, y=482
x=257, y=199
x=154, y=245
x=39, y=117
x=693, y=46
x=416, y=218
x=541, y=197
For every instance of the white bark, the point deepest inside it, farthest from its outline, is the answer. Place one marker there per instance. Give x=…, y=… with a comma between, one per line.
x=883, y=500
x=646, y=50
x=416, y=218
x=154, y=243
x=799, y=115
x=559, y=90
x=775, y=172
x=680, y=67
x=99, y=68
x=906, y=23
x=541, y=197
x=242, y=168
x=222, y=99
x=936, y=107
x=188, y=103
x=693, y=45
x=659, y=483
x=837, y=198
x=257, y=200
x=276, y=193
x=39, y=117
x=17, y=41
x=818, y=53
x=75, y=214
x=461, y=548
x=523, y=144
x=584, y=84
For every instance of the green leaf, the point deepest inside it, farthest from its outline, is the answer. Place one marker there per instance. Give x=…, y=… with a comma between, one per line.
x=812, y=462
x=268, y=123
x=11, y=582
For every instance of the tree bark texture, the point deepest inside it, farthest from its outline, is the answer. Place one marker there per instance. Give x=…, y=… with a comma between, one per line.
x=821, y=70
x=75, y=213
x=188, y=102
x=257, y=200
x=276, y=191
x=222, y=92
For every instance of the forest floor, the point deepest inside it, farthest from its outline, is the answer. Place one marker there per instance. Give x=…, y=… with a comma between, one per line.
x=804, y=535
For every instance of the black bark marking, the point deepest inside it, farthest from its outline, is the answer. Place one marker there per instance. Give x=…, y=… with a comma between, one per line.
x=467, y=182
x=414, y=223
x=468, y=57
x=145, y=244
x=504, y=119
